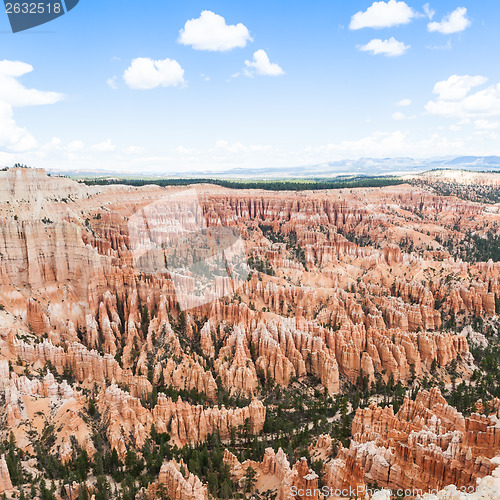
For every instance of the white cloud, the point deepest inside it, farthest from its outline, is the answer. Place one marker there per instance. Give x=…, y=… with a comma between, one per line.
x=397, y=115
x=452, y=23
x=261, y=65
x=388, y=144
x=482, y=124
x=383, y=15
x=391, y=47
x=72, y=151
x=376, y=144
x=75, y=146
x=226, y=154
x=446, y=46
x=181, y=150
x=486, y=135
x=210, y=32
x=13, y=137
x=145, y=73
x=14, y=93
x=112, y=82
x=223, y=146
x=404, y=102
x=429, y=12
x=457, y=86
x=456, y=100
x=134, y=150
x=104, y=147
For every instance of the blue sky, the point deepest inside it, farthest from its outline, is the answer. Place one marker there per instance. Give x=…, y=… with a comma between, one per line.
x=116, y=85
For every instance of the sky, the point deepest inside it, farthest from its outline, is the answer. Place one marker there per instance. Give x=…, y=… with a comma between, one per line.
x=172, y=86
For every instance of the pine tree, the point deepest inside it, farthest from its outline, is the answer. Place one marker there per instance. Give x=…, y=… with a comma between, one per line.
x=250, y=479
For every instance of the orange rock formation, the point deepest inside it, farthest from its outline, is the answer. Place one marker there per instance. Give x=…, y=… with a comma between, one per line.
x=426, y=445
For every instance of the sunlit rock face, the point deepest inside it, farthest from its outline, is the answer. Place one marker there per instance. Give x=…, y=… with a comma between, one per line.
x=426, y=445
x=486, y=487
x=340, y=286
x=5, y=482
x=177, y=483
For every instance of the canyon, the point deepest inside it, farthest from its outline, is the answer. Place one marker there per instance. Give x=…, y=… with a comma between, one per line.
x=141, y=319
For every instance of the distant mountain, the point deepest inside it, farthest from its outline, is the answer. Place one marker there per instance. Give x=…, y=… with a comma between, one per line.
x=361, y=166
x=370, y=166
x=475, y=160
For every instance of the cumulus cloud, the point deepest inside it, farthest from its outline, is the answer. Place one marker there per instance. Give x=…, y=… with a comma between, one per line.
x=260, y=65
x=14, y=138
x=210, y=32
x=391, y=47
x=455, y=98
x=457, y=86
x=383, y=15
x=404, y=102
x=452, y=23
x=14, y=93
x=398, y=116
x=145, y=73
x=104, y=147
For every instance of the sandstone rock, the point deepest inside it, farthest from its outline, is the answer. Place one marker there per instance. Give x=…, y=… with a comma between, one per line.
x=181, y=486
x=5, y=482
x=427, y=444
